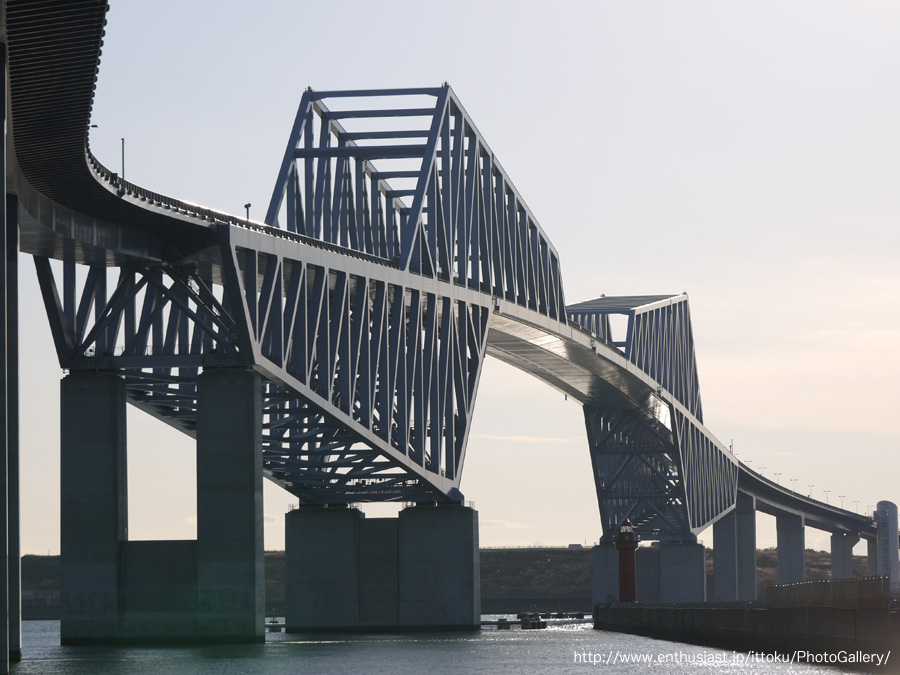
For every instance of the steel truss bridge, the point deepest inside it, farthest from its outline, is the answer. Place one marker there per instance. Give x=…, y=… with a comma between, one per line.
x=396, y=254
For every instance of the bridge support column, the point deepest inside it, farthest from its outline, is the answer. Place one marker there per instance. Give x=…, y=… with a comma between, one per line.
x=734, y=561
x=322, y=567
x=605, y=574
x=12, y=428
x=93, y=505
x=647, y=559
x=230, y=563
x=440, y=579
x=872, y=556
x=346, y=572
x=791, y=548
x=888, y=556
x=682, y=572
x=119, y=591
x=842, y=544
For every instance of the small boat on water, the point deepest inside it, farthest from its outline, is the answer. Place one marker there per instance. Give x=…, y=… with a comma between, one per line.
x=533, y=620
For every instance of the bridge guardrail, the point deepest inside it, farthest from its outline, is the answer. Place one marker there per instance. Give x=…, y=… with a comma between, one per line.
x=124, y=187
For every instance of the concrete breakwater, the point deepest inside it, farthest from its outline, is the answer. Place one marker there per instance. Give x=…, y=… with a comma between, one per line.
x=868, y=630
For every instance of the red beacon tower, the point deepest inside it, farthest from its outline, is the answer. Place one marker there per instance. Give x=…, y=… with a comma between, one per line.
x=626, y=544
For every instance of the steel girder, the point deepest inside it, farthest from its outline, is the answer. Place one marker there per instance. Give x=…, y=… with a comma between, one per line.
x=637, y=474
x=370, y=383
x=408, y=178
x=368, y=316
x=671, y=482
x=659, y=339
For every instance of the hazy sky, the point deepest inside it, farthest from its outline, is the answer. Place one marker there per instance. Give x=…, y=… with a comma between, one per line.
x=746, y=152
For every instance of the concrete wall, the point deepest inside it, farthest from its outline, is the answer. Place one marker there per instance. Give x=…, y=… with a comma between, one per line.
x=815, y=629
x=158, y=576
x=379, y=572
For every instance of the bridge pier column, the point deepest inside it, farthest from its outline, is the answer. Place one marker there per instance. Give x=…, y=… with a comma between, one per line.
x=322, y=567
x=647, y=562
x=734, y=561
x=120, y=591
x=230, y=563
x=872, y=556
x=93, y=505
x=791, y=548
x=605, y=574
x=346, y=572
x=888, y=555
x=842, y=544
x=682, y=572
x=440, y=579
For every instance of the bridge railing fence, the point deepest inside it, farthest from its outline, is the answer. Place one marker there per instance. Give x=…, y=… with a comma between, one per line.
x=124, y=187
x=865, y=592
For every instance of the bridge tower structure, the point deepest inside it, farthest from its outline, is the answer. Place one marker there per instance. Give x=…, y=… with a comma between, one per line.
x=334, y=349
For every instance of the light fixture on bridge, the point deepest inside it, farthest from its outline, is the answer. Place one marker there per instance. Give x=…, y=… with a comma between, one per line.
x=247, y=207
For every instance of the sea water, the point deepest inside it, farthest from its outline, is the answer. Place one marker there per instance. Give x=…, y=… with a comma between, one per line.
x=571, y=648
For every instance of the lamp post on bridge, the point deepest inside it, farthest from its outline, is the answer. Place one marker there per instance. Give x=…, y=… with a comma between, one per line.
x=826, y=495
x=810, y=486
x=777, y=477
x=794, y=484
x=856, y=505
x=841, y=497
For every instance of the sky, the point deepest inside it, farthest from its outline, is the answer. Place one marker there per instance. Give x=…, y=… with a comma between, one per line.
x=747, y=153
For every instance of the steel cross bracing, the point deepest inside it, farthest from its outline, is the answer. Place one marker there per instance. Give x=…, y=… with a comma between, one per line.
x=370, y=313
x=670, y=480
x=370, y=384
x=408, y=178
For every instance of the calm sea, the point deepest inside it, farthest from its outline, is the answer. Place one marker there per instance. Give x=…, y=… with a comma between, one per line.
x=562, y=649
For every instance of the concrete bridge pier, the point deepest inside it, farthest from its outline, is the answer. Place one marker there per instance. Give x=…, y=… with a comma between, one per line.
x=93, y=505
x=887, y=555
x=734, y=560
x=417, y=571
x=872, y=555
x=791, y=542
x=666, y=572
x=842, y=544
x=120, y=591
